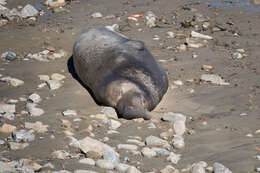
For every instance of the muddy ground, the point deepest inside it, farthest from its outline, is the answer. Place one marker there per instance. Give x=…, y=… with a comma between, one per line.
x=223, y=139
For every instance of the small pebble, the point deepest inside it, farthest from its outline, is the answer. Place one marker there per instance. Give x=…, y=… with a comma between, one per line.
x=96, y=15
x=69, y=112
x=147, y=152
x=53, y=84
x=105, y=164
x=87, y=161
x=35, y=98
x=127, y=146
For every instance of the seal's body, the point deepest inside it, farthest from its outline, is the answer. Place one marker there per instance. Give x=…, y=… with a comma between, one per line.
x=121, y=72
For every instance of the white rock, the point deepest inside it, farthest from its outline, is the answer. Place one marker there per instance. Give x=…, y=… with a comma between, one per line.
x=61, y=171
x=151, y=19
x=110, y=112
x=13, y=81
x=156, y=142
x=170, y=34
x=44, y=77
x=96, y=15
x=17, y=146
x=84, y=171
x=57, y=77
x=178, y=82
x=37, y=126
x=178, y=142
x=90, y=144
x=179, y=127
x=23, y=136
x=151, y=126
x=105, y=164
x=174, y=158
x=197, y=168
x=113, y=27
x=127, y=147
x=133, y=169
x=121, y=167
x=169, y=169
x=237, y=55
x=87, y=161
x=69, y=112
x=33, y=110
x=213, y=78
x=147, y=152
x=113, y=124
x=12, y=101
x=60, y=154
x=3, y=2
x=219, y=168
x=199, y=35
x=55, y=3
x=8, y=115
x=53, y=84
x=29, y=11
x=173, y=117
x=35, y=98
x=111, y=156
x=7, y=108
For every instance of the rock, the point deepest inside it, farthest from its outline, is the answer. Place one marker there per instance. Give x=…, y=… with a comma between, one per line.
x=179, y=127
x=156, y=142
x=69, y=112
x=202, y=36
x=121, y=167
x=213, y=78
x=33, y=110
x=14, y=166
x=151, y=19
x=3, y=2
x=2, y=142
x=133, y=169
x=93, y=155
x=12, y=101
x=170, y=34
x=44, y=77
x=17, y=146
x=101, y=117
x=62, y=171
x=257, y=169
x=151, y=126
x=53, y=84
x=7, y=128
x=127, y=147
x=178, y=82
x=7, y=108
x=196, y=42
x=96, y=15
x=105, y=164
x=169, y=169
x=57, y=77
x=182, y=48
x=135, y=141
x=89, y=144
x=48, y=165
x=237, y=55
x=147, y=152
x=198, y=169
x=31, y=20
x=60, y=154
x=113, y=124
x=55, y=3
x=113, y=27
x=174, y=158
x=31, y=164
x=87, y=161
x=23, y=136
x=37, y=126
x=60, y=10
x=109, y=112
x=110, y=155
x=60, y=54
x=3, y=22
x=207, y=67
x=178, y=142
x=13, y=81
x=219, y=168
x=256, y=2
x=29, y=11
x=9, y=56
x=35, y=98
x=84, y=171
x=161, y=151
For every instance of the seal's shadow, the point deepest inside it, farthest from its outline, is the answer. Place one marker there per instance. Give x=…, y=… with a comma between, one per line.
x=72, y=71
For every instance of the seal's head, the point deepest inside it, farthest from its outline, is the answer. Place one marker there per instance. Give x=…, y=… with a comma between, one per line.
x=132, y=105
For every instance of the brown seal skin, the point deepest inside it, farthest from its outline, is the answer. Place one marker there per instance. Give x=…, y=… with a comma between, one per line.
x=120, y=72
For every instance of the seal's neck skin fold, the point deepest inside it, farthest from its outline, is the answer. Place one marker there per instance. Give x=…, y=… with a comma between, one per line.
x=131, y=106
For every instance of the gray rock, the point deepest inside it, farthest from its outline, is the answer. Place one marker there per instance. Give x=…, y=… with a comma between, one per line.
x=174, y=158
x=10, y=56
x=198, y=169
x=113, y=124
x=151, y=126
x=44, y=77
x=8, y=115
x=109, y=112
x=17, y=146
x=147, y=152
x=23, y=136
x=127, y=147
x=60, y=154
x=169, y=169
x=219, y=168
x=105, y=164
x=237, y=55
x=135, y=141
x=29, y=11
x=14, y=166
x=61, y=171
x=133, y=169
x=84, y=171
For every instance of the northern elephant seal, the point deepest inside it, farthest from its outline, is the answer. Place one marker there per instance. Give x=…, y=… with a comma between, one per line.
x=121, y=72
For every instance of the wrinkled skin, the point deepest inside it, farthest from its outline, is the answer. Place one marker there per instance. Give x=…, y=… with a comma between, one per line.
x=121, y=72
